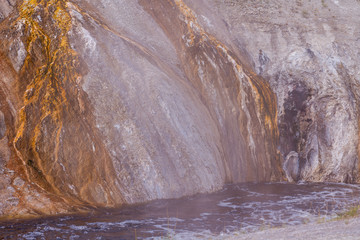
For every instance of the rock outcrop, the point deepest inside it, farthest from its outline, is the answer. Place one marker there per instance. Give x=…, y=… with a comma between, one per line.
x=112, y=102
x=309, y=52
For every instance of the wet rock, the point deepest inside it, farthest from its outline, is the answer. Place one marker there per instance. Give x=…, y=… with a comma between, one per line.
x=109, y=110
x=291, y=166
x=113, y=102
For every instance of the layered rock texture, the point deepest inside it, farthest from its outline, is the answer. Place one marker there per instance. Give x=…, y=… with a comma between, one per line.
x=106, y=103
x=309, y=51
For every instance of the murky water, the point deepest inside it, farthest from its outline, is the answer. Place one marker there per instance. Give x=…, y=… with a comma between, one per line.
x=242, y=207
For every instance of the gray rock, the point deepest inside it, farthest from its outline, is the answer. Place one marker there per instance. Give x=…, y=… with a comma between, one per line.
x=291, y=166
x=314, y=71
x=6, y=7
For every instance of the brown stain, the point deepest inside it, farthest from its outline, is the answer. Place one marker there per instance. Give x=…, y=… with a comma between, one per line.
x=56, y=137
x=8, y=103
x=193, y=43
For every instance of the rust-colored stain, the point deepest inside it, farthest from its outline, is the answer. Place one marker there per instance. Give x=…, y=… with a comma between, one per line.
x=46, y=90
x=264, y=96
x=196, y=43
x=56, y=114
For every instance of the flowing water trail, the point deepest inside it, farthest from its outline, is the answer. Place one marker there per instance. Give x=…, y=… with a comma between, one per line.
x=241, y=207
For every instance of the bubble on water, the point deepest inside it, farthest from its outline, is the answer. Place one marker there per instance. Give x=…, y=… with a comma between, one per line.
x=228, y=203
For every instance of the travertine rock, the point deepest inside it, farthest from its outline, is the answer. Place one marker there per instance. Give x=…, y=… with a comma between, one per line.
x=112, y=102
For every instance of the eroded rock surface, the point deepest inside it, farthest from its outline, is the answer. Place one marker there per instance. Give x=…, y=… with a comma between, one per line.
x=309, y=51
x=103, y=108
x=112, y=102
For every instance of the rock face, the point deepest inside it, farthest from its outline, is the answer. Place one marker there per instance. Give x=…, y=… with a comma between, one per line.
x=112, y=102
x=309, y=51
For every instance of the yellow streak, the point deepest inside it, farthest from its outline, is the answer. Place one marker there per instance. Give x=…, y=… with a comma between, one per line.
x=46, y=90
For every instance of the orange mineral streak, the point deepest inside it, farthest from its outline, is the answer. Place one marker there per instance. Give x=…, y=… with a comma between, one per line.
x=265, y=99
x=264, y=96
x=46, y=89
x=56, y=137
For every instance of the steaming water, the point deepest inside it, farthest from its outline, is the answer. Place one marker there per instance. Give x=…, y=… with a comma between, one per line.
x=241, y=208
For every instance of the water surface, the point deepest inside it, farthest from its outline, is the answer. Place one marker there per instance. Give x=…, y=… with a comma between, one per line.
x=241, y=207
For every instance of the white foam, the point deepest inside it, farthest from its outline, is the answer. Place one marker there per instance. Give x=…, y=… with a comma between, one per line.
x=78, y=228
